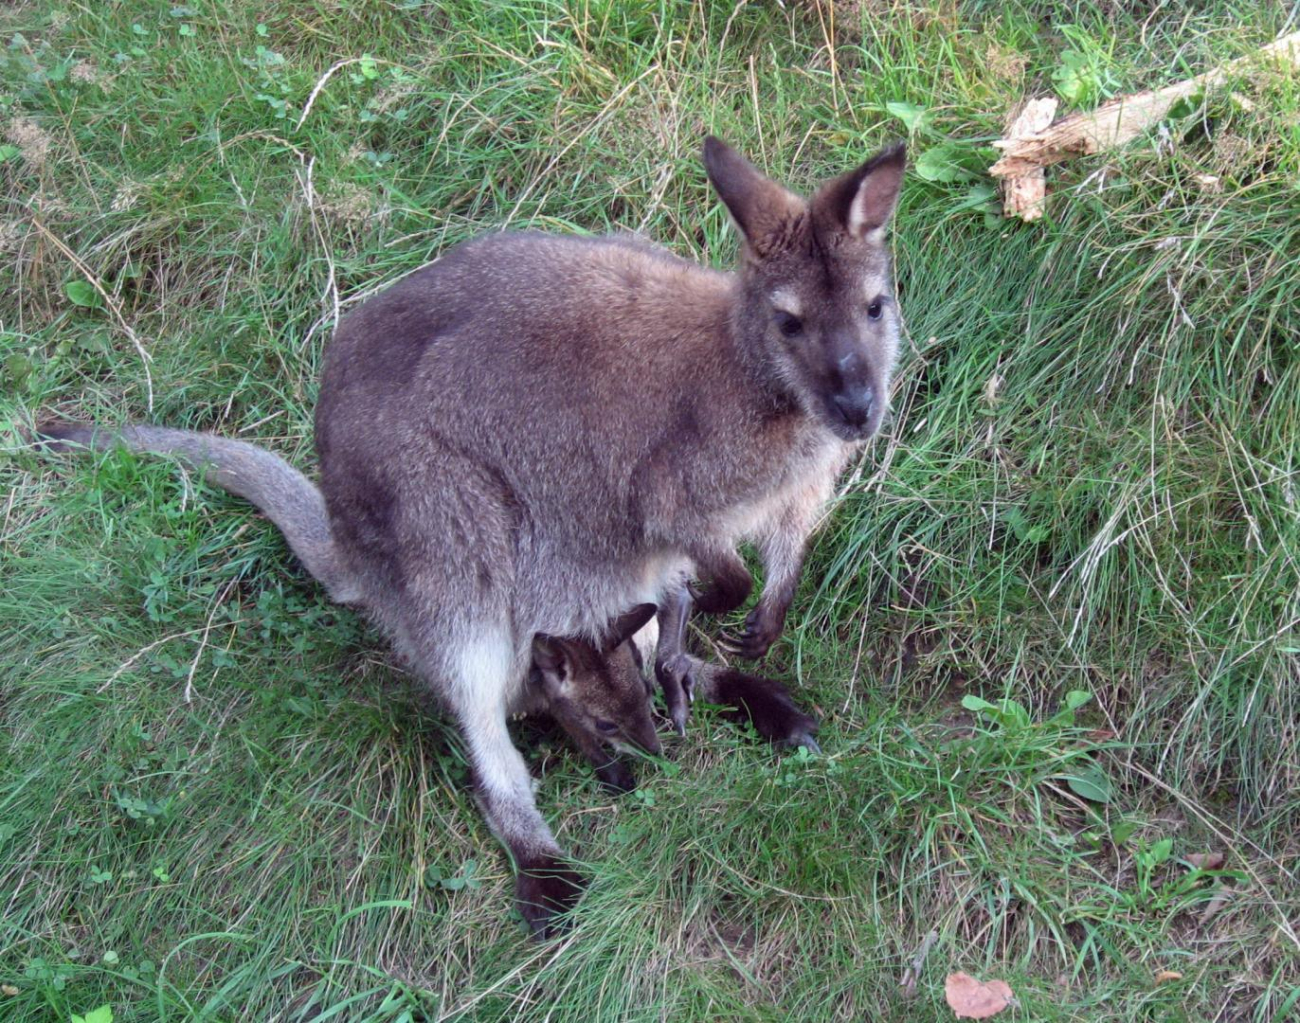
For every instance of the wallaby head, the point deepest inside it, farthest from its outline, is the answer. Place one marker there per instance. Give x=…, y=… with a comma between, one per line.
x=817, y=310
x=598, y=690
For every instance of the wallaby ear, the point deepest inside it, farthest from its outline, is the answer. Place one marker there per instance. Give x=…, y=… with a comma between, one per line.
x=761, y=209
x=862, y=201
x=627, y=625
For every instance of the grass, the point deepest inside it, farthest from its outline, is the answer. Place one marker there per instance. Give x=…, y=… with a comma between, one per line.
x=219, y=799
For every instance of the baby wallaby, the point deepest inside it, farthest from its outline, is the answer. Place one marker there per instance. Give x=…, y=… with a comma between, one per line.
x=596, y=692
x=597, y=695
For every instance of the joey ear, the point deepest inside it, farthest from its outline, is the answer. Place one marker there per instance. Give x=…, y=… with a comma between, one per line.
x=627, y=625
x=551, y=658
x=762, y=210
x=862, y=201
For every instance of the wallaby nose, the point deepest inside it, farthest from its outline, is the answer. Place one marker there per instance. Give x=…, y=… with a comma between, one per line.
x=854, y=406
x=649, y=741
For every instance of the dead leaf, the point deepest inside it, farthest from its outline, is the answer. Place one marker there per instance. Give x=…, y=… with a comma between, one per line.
x=1101, y=735
x=973, y=999
x=993, y=387
x=8, y=989
x=1165, y=976
x=1221, y=898
x=1205, y=861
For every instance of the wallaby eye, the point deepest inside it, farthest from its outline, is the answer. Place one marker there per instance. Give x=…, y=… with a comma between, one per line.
x=608, y=727
x=874, y=310
x=788, y=324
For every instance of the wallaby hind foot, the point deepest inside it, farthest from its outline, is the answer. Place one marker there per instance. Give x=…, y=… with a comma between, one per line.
x=546, y=890
x=763, y=702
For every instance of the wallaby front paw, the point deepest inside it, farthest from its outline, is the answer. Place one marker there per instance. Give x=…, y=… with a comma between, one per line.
x=725, y=592
x=674, y=675
x=545, y=890
x=762, y=628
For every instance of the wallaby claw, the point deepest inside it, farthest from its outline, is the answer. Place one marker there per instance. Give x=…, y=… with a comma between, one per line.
x=762, y=629
x=743, y=646
x=805, y=740
x=674, y=674
x=728, y=643
x=678, y=715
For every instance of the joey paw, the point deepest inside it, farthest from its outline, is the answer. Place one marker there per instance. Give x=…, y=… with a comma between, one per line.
x=617, y=777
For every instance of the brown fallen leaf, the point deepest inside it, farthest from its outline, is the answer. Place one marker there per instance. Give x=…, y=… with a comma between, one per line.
x=1221, y=898
x=1205, y=861
x=1165, y=976
x=973, y=999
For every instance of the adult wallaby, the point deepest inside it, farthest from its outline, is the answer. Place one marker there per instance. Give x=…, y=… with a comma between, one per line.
x=596, y=693
x=533, y=434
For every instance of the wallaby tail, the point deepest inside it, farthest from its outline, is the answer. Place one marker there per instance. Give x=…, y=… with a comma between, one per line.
x=280, y=491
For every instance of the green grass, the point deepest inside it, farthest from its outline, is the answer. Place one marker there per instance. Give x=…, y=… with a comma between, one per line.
x=220, y=800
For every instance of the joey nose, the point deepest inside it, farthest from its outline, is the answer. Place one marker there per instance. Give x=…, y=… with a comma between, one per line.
x=854, y=405
x=648, y=739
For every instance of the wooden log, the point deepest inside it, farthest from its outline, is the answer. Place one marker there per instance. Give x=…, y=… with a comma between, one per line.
x=1023, y=195
x=1122, y=119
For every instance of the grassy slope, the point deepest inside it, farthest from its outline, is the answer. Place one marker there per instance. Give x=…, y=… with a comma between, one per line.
x=1120, y=516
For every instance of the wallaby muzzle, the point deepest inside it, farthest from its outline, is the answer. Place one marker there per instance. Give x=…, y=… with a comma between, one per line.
x=852, y=395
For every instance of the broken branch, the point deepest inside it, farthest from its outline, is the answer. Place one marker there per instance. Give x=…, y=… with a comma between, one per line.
x=1031, y=145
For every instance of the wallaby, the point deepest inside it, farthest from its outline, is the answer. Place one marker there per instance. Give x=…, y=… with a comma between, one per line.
x=532, y=434
x=597, y=694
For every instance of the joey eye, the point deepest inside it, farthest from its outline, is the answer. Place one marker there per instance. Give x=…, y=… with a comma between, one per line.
x=874, y=310
x=607, y=727
x=788, y=324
